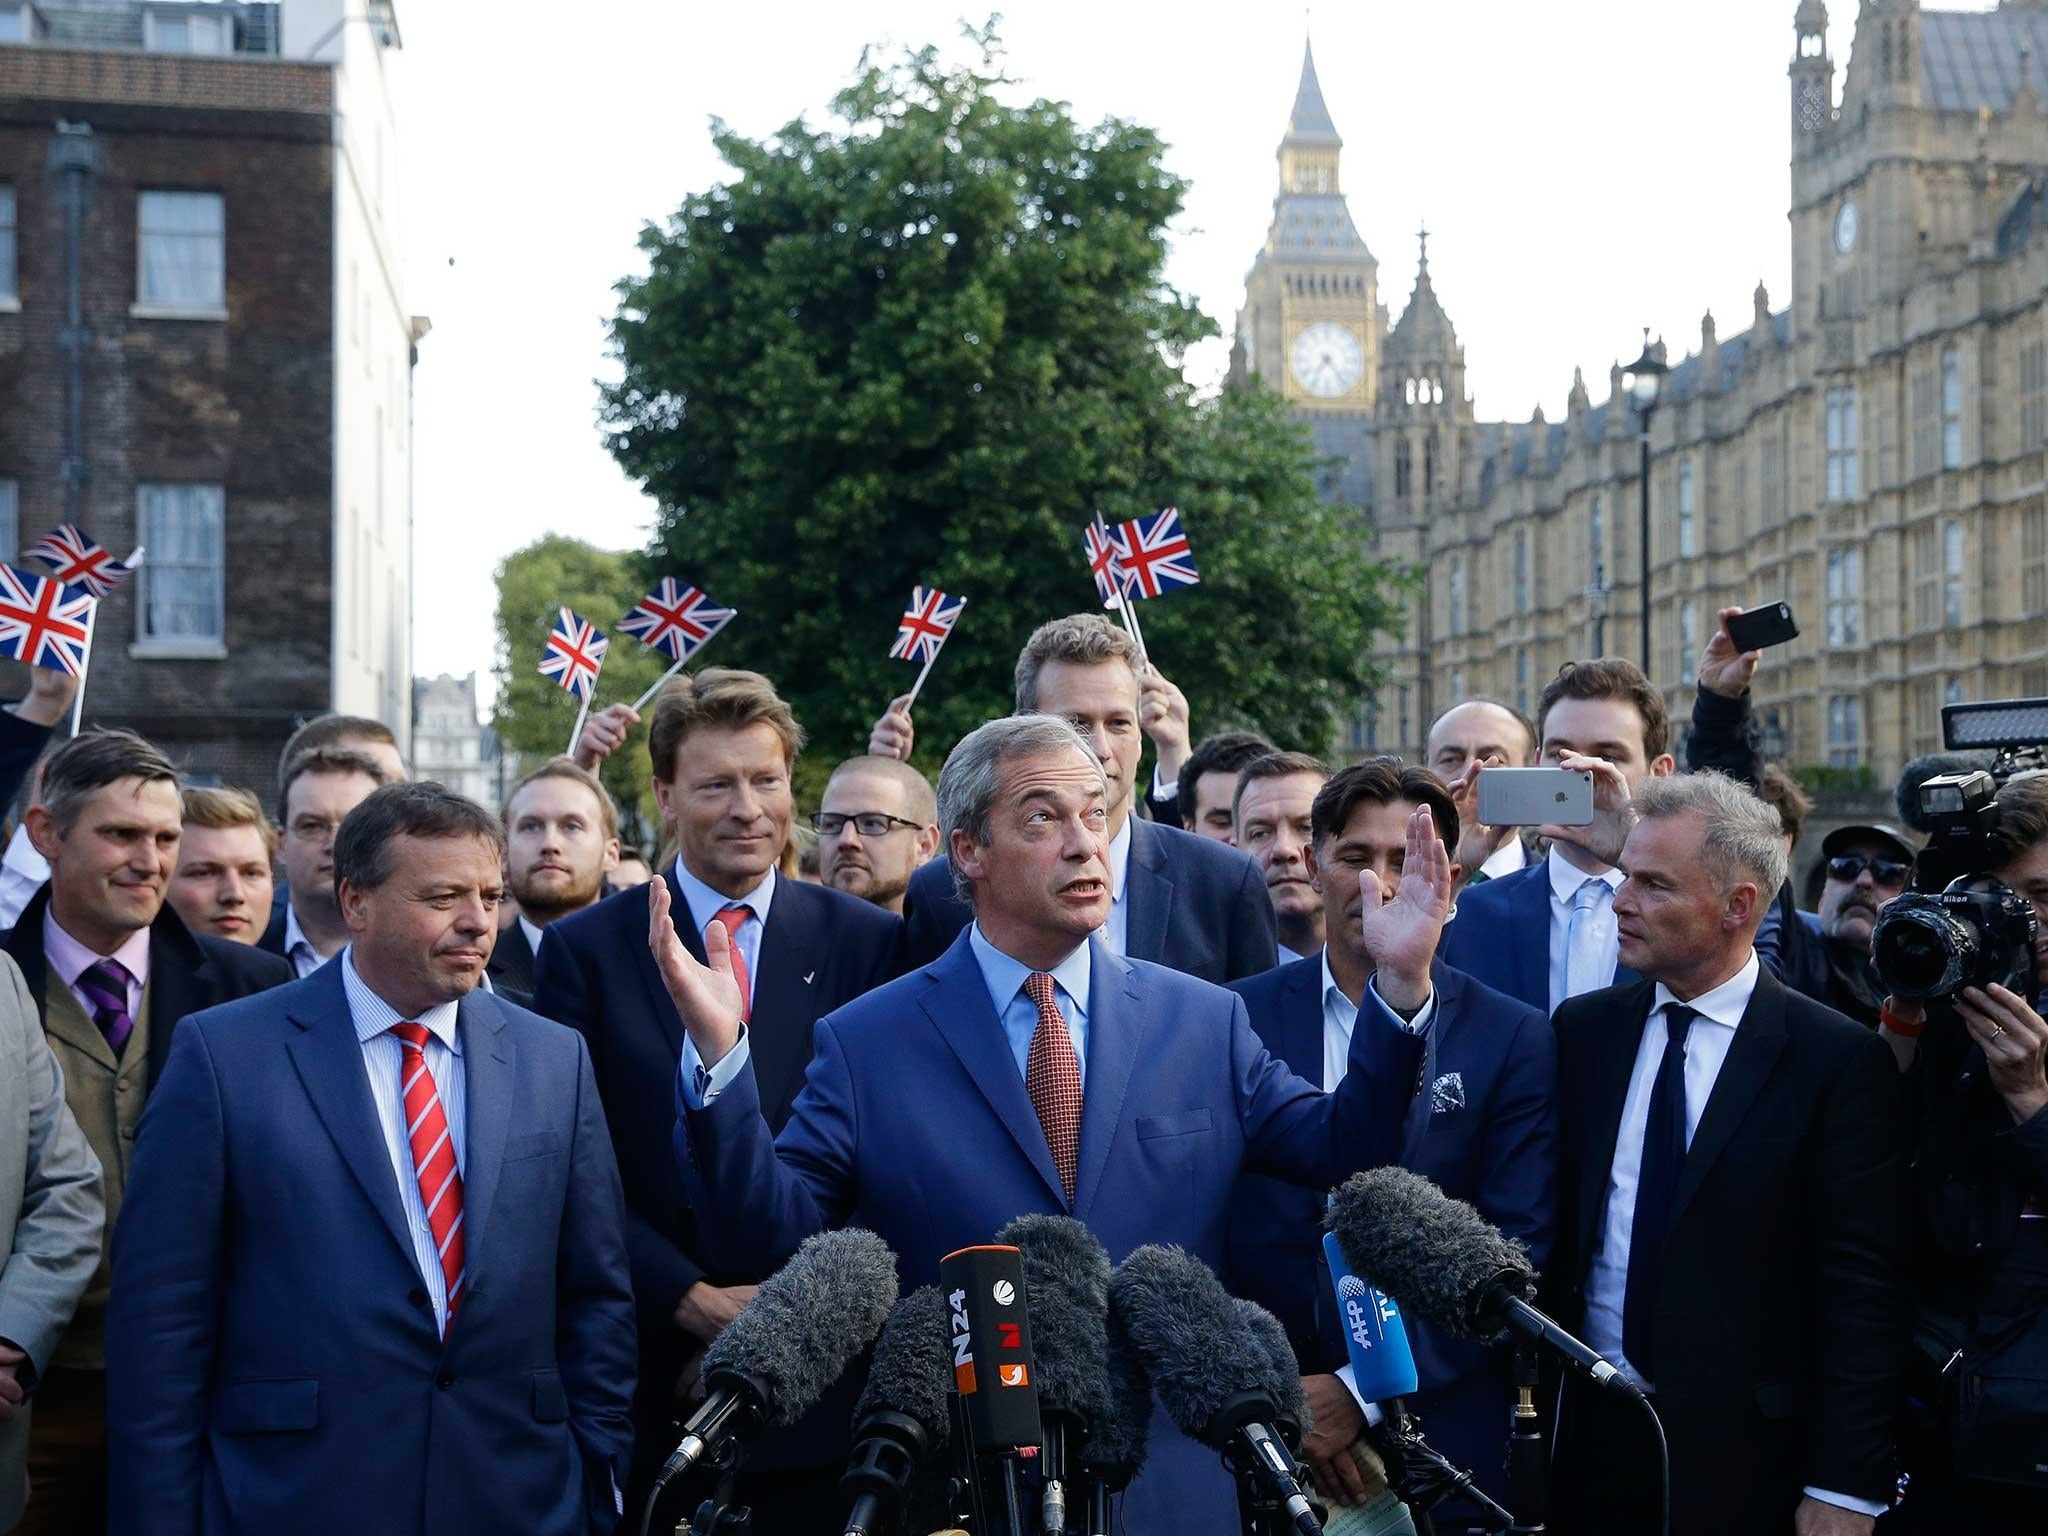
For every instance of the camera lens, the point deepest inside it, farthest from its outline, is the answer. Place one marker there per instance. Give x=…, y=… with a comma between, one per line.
x=1919, y=953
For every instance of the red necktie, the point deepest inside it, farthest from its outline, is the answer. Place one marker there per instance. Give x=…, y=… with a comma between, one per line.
x=433, y=1156
x=1052, y=1076
x=731, y=919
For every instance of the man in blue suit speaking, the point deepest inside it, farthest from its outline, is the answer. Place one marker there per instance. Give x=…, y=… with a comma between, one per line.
x=370, y=1273
x=1031, y=1069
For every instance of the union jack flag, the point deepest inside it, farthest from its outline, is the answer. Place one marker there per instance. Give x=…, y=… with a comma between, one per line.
x=78, y=561
x=675, y=620
x=925, y=624
x=1155, y=554
x=574, y=654
x=42, y=621
x=1105, y=560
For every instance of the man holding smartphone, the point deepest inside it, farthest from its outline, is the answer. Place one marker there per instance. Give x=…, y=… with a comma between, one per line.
x=1547, y=932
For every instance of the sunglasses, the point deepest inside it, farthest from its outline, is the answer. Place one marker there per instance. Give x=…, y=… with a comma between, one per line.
x=1848, y=866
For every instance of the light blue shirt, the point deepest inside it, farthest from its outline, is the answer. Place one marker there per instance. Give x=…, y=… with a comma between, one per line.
x=1005, y=979
x=383, y=1062
x=705, y=903
x=1600, y=940
x=298, y=948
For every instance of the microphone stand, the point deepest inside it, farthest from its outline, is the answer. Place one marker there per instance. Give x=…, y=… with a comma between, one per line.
x=1422, y=1477
x=1528, y=1451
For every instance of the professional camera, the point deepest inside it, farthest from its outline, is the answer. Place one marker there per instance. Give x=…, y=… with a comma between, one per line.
x=1958, y=926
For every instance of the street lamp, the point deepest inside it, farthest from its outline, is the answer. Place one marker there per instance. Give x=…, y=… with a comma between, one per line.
x=1644, y=380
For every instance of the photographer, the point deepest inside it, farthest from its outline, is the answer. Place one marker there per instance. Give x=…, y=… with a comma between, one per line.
x=1977, y=1438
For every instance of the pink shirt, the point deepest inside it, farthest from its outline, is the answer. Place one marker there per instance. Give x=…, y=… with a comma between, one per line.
x=70, y=960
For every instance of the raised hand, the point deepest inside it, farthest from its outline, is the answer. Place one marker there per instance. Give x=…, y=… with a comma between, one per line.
x=2014, y=1040
x=893, y=735
x=1401, y=934
x=1163, y=716
x=1614, y=814
x=1476, y=839
x=706, y=997
x=1724, y=669
x=50, y=693
x=603, y=734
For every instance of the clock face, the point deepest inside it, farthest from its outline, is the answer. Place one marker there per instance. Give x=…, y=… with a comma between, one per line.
x=1327, y=360
x=1845, y=229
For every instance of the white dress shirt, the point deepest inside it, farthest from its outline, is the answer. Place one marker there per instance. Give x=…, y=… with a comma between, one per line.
x=383, y=1062
x=1117, y=926
x=1603, y=943
x=533, y=933
x=23, y=872
x=1718, y=1014
x=1506, y=859
x=298, y=948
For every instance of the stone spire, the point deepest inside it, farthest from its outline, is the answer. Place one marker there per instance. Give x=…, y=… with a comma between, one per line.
x=1310, y=123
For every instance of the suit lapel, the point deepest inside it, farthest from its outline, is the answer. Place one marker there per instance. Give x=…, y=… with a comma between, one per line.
x=1150, y=902
x=784, y=986
x=1449, y=988
x=1751, y=1055
x=1531, y=908
x=1300, y=1032
x=329, y=1061
x=178, y=974
x=25, y=946
x=1116, y=1021
x=958, y=1005
x=1610, y=1063
x=664, y=1010
x=487, y=1066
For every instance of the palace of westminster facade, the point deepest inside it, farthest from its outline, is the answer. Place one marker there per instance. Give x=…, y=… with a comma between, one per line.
x=1872, y=452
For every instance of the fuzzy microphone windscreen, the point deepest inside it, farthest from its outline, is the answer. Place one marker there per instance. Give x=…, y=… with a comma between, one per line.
x=913, y=1366
x=1259, y=1324
x=1428, y=1251
x=1192, y=1341
x=1066, y=1296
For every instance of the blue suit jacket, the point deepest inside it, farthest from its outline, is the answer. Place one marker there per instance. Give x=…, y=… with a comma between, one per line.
x=914, y=1123
x=1484, y=1127
x=272, y=1358
x=1501, y=936
x=1195, y=906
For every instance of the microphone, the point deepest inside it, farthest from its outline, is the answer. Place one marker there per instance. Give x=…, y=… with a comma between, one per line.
x=1216, y=1371
x=1450, y=1264
x=1116, y=1445
x=1382, y=1363
x=1066, y=1295
x=805, y=1325
x=995, y=1372
x=1933, y=766
x=901, y=1417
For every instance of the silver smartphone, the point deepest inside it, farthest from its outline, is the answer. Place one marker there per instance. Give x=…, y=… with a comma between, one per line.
x=1535, y=797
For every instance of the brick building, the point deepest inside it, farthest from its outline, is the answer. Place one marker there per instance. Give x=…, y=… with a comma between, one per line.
x=236, y=396
x=1871, y=451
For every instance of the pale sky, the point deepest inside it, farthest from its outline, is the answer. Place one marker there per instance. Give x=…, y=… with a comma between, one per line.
x=1586, y=167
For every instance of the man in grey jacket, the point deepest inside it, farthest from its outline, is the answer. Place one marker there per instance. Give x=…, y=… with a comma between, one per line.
x=51, y=1214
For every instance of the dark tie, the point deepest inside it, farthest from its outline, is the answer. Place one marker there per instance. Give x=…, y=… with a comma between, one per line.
x=105, y=985
x=1656, y=1189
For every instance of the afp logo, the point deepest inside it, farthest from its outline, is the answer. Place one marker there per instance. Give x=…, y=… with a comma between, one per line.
x=963, y=1352
x=1350, y=1286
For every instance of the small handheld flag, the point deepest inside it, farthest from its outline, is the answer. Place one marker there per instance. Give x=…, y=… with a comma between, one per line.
x=78, y=561
x=1155, y=554
x=574, y=654
x=676, y=620
x=923, y=630
x=1104, y=562
x=43, y=622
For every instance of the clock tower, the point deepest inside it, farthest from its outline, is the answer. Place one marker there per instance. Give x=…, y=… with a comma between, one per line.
x=1311, y=324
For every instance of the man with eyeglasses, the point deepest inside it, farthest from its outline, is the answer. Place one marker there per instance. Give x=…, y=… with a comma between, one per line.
x=316, y=790
x=876, y=824
x=1866, y=867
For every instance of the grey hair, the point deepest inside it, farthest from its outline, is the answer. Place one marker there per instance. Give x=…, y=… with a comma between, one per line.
x=1741, y=836
x=974, y=771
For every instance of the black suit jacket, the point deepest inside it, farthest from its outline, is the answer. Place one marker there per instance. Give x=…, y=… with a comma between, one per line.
x=511, y=964
x=1196, y=906
x=1780, y=1327
x=272, y=942
x=21, y=743
x=187, y=971
x=820, y=949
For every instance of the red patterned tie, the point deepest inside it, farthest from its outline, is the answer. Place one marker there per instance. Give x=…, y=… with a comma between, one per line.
x=1052, y=1076
x=732, y=919
x=433, y=1156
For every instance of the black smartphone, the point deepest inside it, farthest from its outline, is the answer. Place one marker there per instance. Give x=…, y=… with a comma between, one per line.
x=1759, y=628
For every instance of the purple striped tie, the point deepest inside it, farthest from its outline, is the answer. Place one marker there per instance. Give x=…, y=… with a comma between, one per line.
x=105, y=985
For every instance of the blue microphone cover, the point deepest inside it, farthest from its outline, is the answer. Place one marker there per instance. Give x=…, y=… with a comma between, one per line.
x=1381, y=1362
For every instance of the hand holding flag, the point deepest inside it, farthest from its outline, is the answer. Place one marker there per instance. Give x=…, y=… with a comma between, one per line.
x=923, y=630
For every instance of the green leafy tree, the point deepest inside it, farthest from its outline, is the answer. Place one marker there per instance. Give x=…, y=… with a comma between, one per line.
x=534, y=713
x=926, y=346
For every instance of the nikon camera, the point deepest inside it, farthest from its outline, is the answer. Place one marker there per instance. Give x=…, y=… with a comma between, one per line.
x=1959, y=927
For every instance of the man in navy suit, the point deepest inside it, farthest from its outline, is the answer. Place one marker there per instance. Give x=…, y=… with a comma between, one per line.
x=1547, y=933
x=370, y=1273
x=722, y=744
x=1032, y=1068
x=1484, y=1126
x=1179, y=900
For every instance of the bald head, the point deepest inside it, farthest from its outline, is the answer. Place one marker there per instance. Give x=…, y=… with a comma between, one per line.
x=875, y=863
x=912, y=795
x=1479, y=730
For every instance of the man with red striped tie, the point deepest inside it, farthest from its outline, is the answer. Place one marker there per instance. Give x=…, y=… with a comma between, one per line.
x=372, y=1273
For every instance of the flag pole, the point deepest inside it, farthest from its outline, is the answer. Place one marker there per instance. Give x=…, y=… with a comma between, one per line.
x=1123, y=602
x=641, y=702
x=85, y=662
x=923, y=673
x=582, y=715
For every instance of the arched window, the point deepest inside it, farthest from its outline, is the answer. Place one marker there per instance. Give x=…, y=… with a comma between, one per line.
x=1429, y=465
x=1402, y=469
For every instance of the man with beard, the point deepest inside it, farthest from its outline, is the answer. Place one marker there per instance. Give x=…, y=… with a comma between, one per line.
x=878, y=822
x=1866, y=867
x=561, y=841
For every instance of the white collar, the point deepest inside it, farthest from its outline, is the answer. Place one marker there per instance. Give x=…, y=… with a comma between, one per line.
x=1506, y=859
x=705, y=903
x=1566, y=878
x=1724, y=1004
x=294, y=935
x=1120, y=858
x=1333, y=992
x=526, y=926
x=373, y=1016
